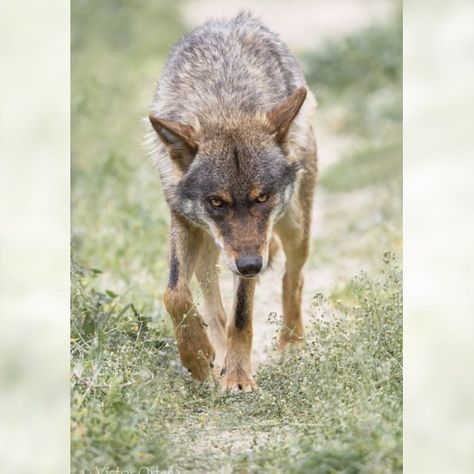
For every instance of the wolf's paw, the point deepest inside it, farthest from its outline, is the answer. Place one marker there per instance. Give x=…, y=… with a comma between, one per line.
x=197, y=355
x=237, y=380
x=198, y=362
x=290, y=341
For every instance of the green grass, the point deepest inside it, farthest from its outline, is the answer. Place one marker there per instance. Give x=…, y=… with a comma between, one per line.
x=358, y=83
x=363, y=72
x=340, y=401
x=368, y=167
x=362, y=77
x=336, y=407
x=119, y=218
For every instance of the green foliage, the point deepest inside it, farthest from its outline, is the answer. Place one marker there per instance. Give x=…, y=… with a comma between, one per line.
x=334, y=407
x=119, y=225
x=359, y=80
x=370, y=166
x=366, y=61
x=363, y=71
x=358, y=84
x=116, y=352
x=119, y=218
x=341, y=399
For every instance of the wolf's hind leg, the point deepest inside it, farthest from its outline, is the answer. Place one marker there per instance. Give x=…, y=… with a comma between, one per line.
x=195, y=350
x=237, y=371
x=214, y=313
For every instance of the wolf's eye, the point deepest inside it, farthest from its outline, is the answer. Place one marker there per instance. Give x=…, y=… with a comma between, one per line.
x=215, y=202
x=262, y=198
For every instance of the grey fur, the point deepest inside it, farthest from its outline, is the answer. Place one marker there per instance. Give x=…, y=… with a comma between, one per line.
x=222, y=79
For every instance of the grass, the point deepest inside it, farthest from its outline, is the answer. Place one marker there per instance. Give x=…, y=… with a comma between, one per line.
x=363, y=72
x=335, y=407
x=119, y=218
x=362, y=169
x=361, y=77
x=340, y=401
x=358, y=83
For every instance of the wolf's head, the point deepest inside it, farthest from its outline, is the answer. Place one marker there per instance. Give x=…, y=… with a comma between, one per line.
x=237, y=178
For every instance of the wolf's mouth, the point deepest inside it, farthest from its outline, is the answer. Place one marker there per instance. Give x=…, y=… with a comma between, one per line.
x=248, y=277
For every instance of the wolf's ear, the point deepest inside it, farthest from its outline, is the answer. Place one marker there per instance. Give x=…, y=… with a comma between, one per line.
x=281, y=117
x=180, y=139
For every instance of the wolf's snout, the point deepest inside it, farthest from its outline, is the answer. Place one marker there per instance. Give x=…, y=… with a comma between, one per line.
x=249, y=265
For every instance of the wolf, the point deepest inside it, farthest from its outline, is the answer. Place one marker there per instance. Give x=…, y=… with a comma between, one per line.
x=232, y=136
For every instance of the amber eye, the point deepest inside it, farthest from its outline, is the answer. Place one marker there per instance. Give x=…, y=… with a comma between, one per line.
x=216, y=202
x=262, y=198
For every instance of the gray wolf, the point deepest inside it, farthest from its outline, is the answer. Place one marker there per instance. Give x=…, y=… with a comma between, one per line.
x=231, y=130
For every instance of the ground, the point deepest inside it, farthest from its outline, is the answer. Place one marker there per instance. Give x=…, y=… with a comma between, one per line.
x=335, y=407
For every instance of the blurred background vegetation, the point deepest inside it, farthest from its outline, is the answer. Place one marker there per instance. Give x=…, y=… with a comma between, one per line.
x=337, y=408
x=119, y=218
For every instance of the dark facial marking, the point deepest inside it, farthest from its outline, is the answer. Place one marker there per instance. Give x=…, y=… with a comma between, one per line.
x=241, y=315
x=236, y=161
x=174, y=268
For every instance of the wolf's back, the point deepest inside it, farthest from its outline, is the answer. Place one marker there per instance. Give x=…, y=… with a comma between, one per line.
x=224, y=68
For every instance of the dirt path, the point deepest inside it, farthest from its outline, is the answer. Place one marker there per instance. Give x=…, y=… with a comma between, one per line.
x=306, y=25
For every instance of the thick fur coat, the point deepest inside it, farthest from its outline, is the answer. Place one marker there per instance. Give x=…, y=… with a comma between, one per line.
x=231, y=133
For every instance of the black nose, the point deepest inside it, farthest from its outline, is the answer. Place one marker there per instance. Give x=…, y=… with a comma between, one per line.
x=249, y=264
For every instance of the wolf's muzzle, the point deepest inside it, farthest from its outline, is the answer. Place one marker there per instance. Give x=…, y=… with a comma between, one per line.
x=249, y=265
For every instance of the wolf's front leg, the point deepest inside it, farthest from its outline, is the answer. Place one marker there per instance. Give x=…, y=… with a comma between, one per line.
x=195, y=350
x=294, y=230
x=213, y=311
x=237, y=371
